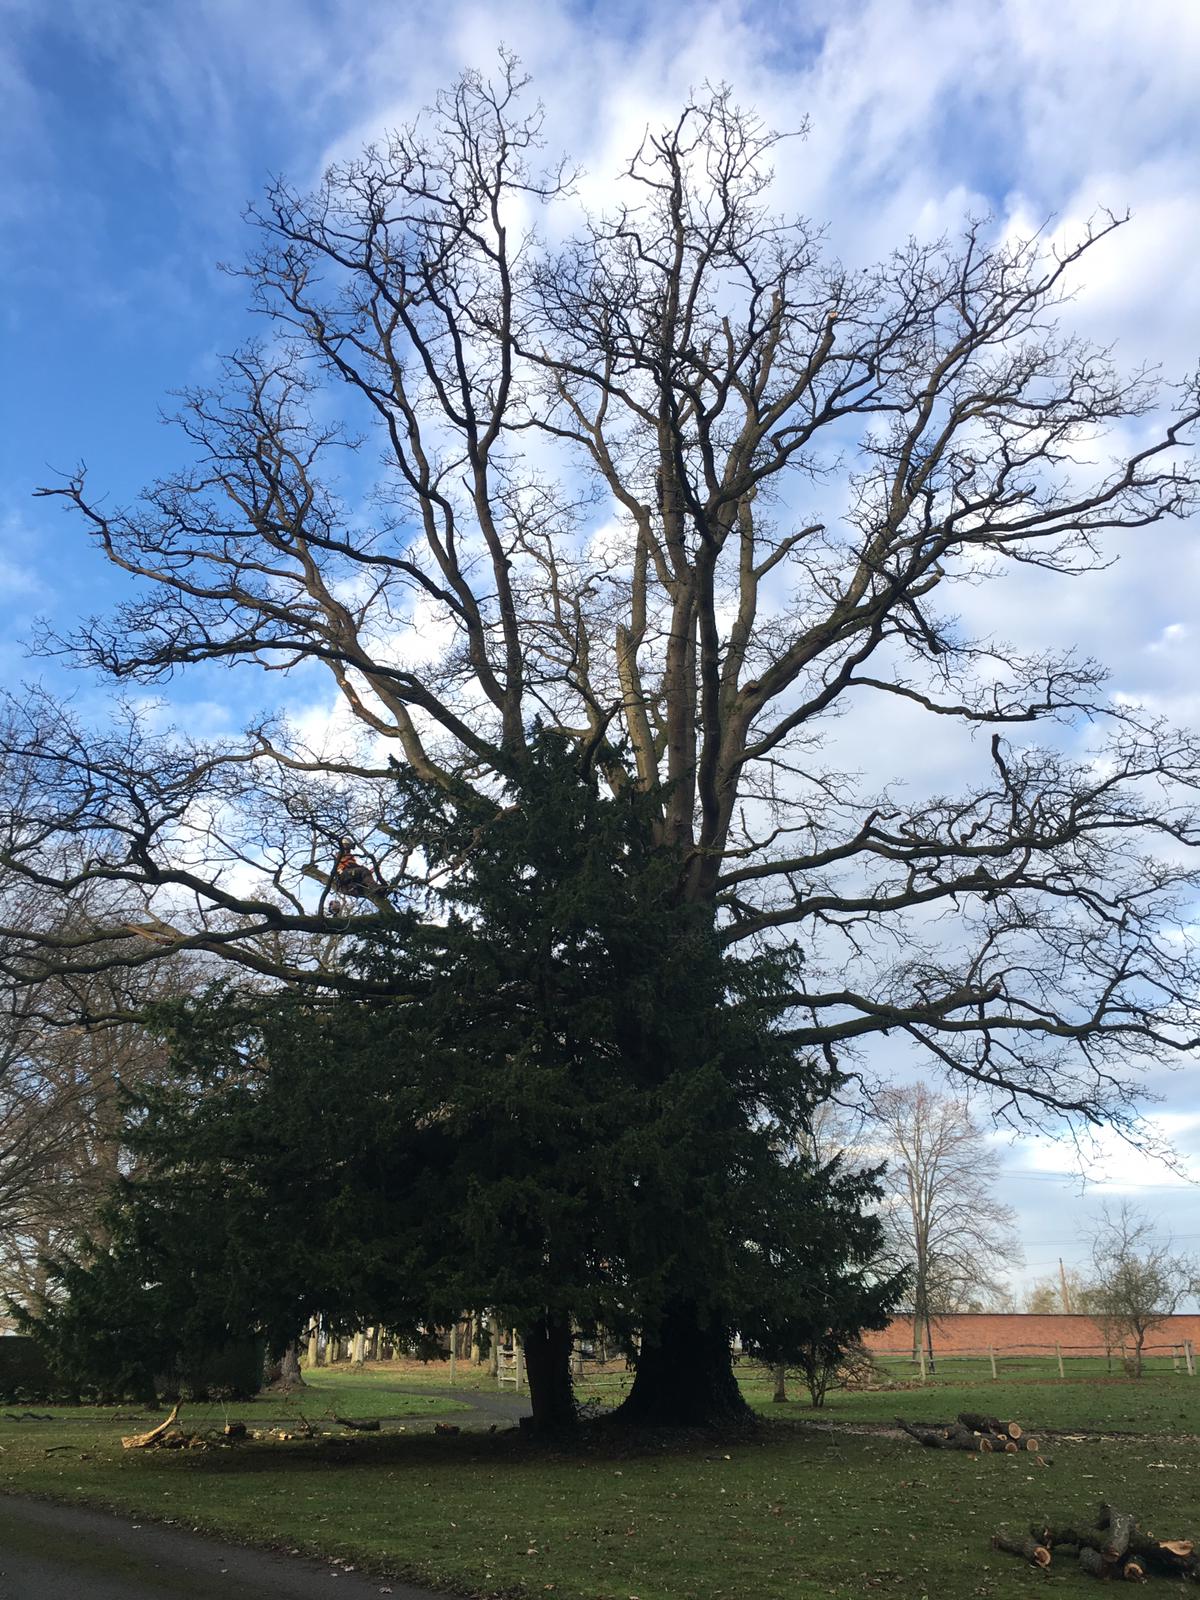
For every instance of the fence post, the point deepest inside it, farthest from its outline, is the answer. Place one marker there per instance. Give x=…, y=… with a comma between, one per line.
x=1058, y=1353
x=1189, y=1356
x=992, y=1357
x=1175, y=1357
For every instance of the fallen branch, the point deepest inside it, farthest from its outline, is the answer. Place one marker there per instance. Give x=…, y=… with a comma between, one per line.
x=359, y=1427
x=143, y=1441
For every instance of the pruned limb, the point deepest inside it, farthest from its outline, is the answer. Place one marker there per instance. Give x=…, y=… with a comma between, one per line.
x=143, y=1441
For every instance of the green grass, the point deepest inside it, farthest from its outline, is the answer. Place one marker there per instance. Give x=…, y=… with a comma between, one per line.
x=800, y=1512
x=1161, y=1402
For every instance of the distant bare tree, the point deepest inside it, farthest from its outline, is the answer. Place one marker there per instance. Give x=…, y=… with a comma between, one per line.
x=61, y=1076
x=1139, y=1279
x=1046, y=1297
x=944, y=1219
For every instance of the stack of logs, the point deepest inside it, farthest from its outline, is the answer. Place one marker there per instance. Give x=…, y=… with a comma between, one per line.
x=975, y=1432
x=1114, y=1548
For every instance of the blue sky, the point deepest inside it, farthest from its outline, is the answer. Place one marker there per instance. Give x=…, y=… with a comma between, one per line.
x=135, y=133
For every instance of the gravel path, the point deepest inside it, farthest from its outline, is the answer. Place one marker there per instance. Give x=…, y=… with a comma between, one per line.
x=50, y=1552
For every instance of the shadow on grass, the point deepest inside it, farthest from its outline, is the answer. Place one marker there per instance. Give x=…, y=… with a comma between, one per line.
x=595, y=1441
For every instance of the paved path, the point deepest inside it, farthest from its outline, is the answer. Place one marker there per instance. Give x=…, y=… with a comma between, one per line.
x=489, y=1405
x=52, y=1552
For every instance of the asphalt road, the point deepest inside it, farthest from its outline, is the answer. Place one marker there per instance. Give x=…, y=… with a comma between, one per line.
x=62, y=1553
x=50, y=1552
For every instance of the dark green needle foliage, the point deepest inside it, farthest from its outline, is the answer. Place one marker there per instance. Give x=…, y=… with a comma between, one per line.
x=566, y=1102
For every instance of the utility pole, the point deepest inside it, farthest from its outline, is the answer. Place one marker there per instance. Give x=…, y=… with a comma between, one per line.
x=1066, y=1293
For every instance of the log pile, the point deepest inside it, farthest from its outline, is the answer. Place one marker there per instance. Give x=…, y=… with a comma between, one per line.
x=1115, y=1548
x=979, y=1434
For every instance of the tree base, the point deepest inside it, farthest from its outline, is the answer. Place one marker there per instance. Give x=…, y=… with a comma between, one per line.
x=685, y=1378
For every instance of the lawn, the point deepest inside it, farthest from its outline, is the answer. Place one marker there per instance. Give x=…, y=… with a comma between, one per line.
x=797, y=1512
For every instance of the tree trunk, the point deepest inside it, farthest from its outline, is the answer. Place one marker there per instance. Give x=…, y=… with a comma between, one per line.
x=314, y=1342
x=285, y=1372
x=494, y=1347
x=547, y=1347
x=476, y=1339
x=780, y=1395
x=684, y=1376
x=359, y=1354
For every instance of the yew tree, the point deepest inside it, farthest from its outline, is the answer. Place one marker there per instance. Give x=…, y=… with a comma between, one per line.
x=674, y=480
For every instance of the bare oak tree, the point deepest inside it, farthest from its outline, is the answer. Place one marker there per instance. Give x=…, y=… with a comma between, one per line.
x=943, y=1218
x=685, y=489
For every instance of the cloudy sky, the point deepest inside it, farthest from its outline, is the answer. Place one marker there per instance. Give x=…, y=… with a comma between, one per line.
x=136, y=131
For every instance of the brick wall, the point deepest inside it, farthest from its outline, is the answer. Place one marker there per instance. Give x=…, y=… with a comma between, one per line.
x=975, y=1333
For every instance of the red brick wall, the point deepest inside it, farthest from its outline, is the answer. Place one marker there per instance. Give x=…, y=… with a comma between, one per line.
x=1019, y=1332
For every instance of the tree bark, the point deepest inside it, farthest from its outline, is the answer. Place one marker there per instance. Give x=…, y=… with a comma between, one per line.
x=780, y=1395
x=684, y=1376
x=285, y=1372
x=547, y=1346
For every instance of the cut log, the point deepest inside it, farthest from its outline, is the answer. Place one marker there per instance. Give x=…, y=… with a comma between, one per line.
x=1120, y=1528
x=234, y=1430
x=359, y=1427
x=144, y=1441
x=962, y=1439
x=978, y=1423
x=1031, y=1444
x=929, y=1437
x=1164, y=1555
x=1091, y=1562
x=1011, y=1448
x=1037, y=1554
x=1133, y=1571
x=1076, y=1538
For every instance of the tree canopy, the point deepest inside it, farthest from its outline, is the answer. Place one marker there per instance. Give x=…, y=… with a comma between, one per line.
x=553, y=1114
x=686, y=488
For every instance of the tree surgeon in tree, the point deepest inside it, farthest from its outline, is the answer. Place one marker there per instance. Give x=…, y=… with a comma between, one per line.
x=690, y=372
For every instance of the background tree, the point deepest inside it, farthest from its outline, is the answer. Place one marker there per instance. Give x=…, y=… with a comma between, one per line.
x=685, y=489
x=1046, y=1297
x=941, y=1211
x=68, y=1049
x=1139, y=1279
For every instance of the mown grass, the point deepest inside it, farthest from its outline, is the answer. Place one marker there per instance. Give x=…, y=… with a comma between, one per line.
x=798, y=1512
x=1161, y=1402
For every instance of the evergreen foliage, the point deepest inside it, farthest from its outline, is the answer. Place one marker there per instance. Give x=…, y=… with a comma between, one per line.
x=569, y=1104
